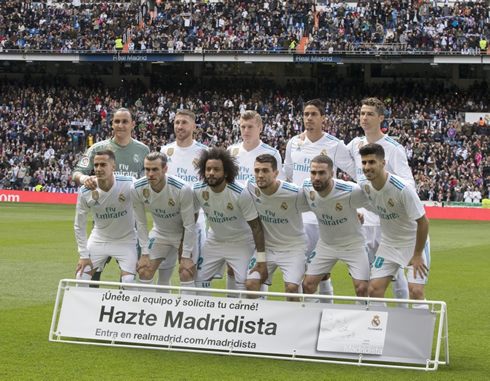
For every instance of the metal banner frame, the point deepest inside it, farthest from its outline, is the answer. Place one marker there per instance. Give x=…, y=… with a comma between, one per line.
x=440, y=355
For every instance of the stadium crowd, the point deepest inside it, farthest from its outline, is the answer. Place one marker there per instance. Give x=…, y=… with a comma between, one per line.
x=46, y=124
x=252, y=25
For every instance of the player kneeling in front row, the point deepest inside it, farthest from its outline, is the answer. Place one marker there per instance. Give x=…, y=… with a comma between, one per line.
x=335, y=204
x=234, y=226
x=170, y=202
x=404, y=227
x=279, y=205
x=112, y=210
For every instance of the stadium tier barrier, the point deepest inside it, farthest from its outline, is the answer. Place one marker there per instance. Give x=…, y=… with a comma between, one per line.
x=345, y=332
x=433, y=212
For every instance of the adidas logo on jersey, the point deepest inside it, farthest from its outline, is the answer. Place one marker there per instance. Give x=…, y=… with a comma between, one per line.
x=147, y=202
x=96, y=203
x=206, y=204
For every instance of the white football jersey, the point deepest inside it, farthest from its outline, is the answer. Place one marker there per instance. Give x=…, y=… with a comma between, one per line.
x=181, y=160
x=299, y=154
x=338, y=223
x=398, y=206
x=112, y=213
x=280, y=214
x=227, y=212
x=396, y=163
x=172, y=210
x=246, y=160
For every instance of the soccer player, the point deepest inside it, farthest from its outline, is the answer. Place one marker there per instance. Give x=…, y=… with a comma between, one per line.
x=404, y=227
x=372, y=114
x=299, y=153
x=129, y=154
x=112, y=211
x=182, y=156
x=170, y=201
x=279, y=205
x=334, y=203
x=234, y=226
x=245, y=153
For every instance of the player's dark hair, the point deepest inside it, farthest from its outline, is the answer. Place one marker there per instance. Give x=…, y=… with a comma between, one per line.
x=230, y=165
x=124, y=109
x=318, y=104
x=372, y=149
x=267, y=158
x=107, y=152
x=376, y=103
x=152, y=156
x=323, y=159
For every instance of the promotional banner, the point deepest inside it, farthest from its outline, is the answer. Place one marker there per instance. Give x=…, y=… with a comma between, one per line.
x=41, y=197
x=252, y=326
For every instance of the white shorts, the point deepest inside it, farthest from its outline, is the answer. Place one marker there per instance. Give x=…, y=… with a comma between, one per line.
x=323, y=259
x=125, y=253
x=215, y=253
x=200, y=237
x=166, y=251
x=292, y=264
x=372, y=236
x=389, y=259
x=312, y=234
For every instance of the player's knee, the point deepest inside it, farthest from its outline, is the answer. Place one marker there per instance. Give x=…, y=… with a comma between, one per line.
x=291, y=288
x=417, y=292
x=253, y=285
x=145, y=274
x=375, y=291
x=361, y=289
x=186, y=276
x=309, y=287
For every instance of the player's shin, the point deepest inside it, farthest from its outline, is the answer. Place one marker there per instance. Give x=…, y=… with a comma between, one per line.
x=400, y=288
x=326, y=288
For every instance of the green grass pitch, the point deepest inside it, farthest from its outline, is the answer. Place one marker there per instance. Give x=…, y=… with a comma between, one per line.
x=37, y=249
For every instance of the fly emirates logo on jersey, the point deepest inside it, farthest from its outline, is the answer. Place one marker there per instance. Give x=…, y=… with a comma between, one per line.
x=183, y=314
x=183, y=174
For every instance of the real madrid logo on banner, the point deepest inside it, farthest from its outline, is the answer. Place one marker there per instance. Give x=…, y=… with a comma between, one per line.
x=376, y=321
x=170, y=152
x=235, y=151
x=359, y=146
x=171, y=202
x=95, y=195
x=230, y=206
x=146, y=193
x=324, y=152
x=122, y=198
x=312, y=196
x=338, y=207
x=368, y=190
x=391, y=203
x=284, y=206
x=205, y=195
x=257, y=192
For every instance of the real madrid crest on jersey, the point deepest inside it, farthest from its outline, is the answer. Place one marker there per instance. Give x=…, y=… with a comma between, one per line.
x=312, y=196
x=136, y=158
x=338, y=207
x=122, y=198
x=146, y=193
x=170, y=152
x=109, y=147
x=391, y=203
x=301, y=142
x=194, y=162
x=284, y=206
x=171, y=202
x=368, y=190
x=324, y=152
x=230, y=206
x=235, y=151
x=257, y=192
x=205, y=195
x=95, y=195
x=359, y=146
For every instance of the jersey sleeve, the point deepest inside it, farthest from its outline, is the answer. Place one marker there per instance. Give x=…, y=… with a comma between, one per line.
x=412, y=204
x=188, y=219
x=302, y=204
x=81, y=214
x=399, y=165
x=358, y=198
x=344, y=160
x=86, y=164
x=141, y=221
x=288, y=163
x=247, y=207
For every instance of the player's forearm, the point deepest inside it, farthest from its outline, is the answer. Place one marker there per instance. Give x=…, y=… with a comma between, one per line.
x=422, y=234
x=258, y=234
